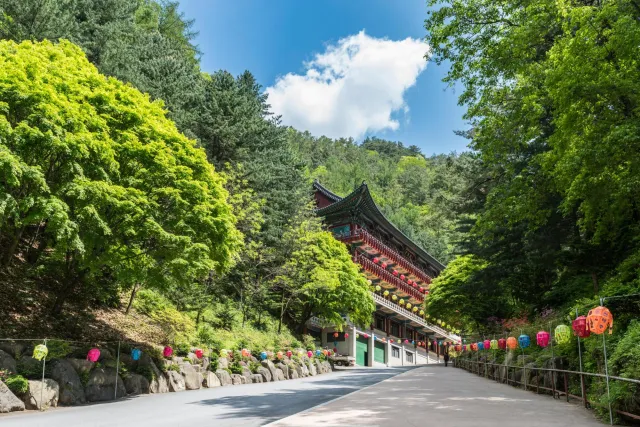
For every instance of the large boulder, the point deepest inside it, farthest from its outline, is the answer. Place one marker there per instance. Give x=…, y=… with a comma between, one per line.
x=271, y=367
x=7, y=363
x=157, y=382
x=285, y=370
x=81, y=366
x=246, y=372
x=224, y=377
x=13, y=349
x=42, y=395
x=237, y=379
x=312, y=369
x=305, y=370
x=293, y=375
x=279, y=376
x=210, y=380
x=176, y=381
x=71, y=388
x=256, y=378
x=136, y=384
x=266, y=374
x=223, y=363
x=8, y=401
x=327, y=366
x=319, y=368
x=102, y=384
x=192, y=378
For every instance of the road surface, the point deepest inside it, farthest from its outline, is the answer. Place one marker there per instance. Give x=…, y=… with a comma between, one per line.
x=426, y=396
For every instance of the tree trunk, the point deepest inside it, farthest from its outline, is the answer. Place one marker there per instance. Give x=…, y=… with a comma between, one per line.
x=134, y=291
x=594, y=279
x=281, y=313
x=8, y=255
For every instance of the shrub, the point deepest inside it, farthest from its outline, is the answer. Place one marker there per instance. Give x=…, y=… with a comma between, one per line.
x=182, y=349
x=253, y=367
x=178, y=326
x=29, y=368
x=236, y=368
x=58, y=350
x=213, y=361
x=308, y=342
x=17, y=384
x=173, y=367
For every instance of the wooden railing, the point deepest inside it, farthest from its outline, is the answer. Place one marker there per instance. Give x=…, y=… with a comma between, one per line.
x=388, y=253
x=383, y=274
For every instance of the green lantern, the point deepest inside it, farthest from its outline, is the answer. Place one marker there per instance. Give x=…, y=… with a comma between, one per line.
x=401, y=302
x=385, y=293
x=378, y=288
x=415, y=309
x=408, y=306
x=40, y=352
x=494, y=344
x=421, y=312
x=562, y=334
x=394, y=297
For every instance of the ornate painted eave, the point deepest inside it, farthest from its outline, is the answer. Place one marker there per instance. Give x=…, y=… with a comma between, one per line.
x=360, y=199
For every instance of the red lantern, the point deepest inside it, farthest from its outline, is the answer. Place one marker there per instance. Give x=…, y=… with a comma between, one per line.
x=542, y=338
x=336, y=335
x=599, y=319
x=346, y=335
x=289, y=354
x=395, y=273
x=458, y=347
x=512, y=343
x=502, y=344
x=421, y=289
x=167, y=352
x=580, y=328
x=93, y=355
x=410, y=282
x=199, y=353
x=402, y=277
x=474, y=346
x=487, y=344
x=335, y=350
x=376, y=260
x=384, y=265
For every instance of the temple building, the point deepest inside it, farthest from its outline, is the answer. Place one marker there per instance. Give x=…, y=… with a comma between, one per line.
x=400, y=272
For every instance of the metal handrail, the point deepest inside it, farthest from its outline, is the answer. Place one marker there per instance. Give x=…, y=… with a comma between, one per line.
x=413, y=317
x=468, y=366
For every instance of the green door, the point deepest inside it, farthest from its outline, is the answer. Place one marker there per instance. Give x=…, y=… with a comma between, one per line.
x=362, y=351
x=378, y=352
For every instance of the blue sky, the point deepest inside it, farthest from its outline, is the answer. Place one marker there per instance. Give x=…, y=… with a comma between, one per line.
x=357, y=80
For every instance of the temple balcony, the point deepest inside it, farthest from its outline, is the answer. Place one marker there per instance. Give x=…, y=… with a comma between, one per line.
x=375, y=247
x=389, y=281
x=416, y=321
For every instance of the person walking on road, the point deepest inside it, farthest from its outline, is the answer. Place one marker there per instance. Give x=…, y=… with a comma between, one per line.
x=446, y=357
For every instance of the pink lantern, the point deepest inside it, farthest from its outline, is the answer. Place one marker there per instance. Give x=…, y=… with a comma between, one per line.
x=93, y=355
x=309, y=354
x=395, y=273
x=346, y=335
x=410, y=282
x=406, y=341
x=376, y=260
x=289, y=354
x=384, y=265
x=402, y=277
x=167, y=352
x=486, y=343
x=199, y=353
x=542, y=338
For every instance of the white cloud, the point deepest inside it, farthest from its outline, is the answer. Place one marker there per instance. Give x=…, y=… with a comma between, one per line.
x=354, y=87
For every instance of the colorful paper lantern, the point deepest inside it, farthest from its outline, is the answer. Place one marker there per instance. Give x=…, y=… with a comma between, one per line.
x=384, y=265
x=408, y=306
x=394, y=297
x=487, y=344
x=401, y=302
x=385, y=293
x=542, y=338
x=167, y=351
x=502, y=344
x=512, y=343
x=199, y=353
x=524, y=341
x=395, y=273
x=289, y=354
x=245, y=353
x=357, y=336
x=415, y=309
x=136, y=353
x=346, y=335
x=458, y=347
x=562, y=334
x=410, y=282
x=40, y=352
x=378, y=288
x=600, y=319
x=391, y=341
x=335, y=350
x=421, y=312
x=325, y=352
x=376, y=260
x=279, y=355
x=336, y=335
x=406, y=341
x=93, y=355
x=480, y=345
x=318, y=352
x=413, y=343
x=474, y=346
x=580, y=327
x=402, y=277
x=309, y=354
x=464, y=347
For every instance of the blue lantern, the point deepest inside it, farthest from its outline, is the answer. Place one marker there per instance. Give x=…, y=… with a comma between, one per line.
x=318, y=352
x=524, y=341
x=263, y=355
x=413, y=343
x=135, y=353
x=480, y=345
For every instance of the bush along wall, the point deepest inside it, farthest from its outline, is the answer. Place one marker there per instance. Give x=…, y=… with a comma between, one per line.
x=75, y=374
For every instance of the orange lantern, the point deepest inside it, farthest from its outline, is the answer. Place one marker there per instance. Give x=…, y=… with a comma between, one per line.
x=599, y=319
x=512, y=343
x=336, y=335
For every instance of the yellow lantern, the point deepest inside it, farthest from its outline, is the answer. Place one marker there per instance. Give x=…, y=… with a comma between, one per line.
x=385, y=293
x=421, y=312
x=401, y=302
x=394, y=297
x=408, y=306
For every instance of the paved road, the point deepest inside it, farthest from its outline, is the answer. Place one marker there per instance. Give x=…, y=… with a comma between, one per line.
x=245, y=405
x=439, y=396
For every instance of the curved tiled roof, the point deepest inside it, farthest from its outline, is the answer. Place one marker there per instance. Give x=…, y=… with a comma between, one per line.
x=361, y=199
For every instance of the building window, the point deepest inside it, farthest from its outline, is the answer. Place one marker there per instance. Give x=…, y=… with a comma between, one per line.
x=380, y=323
x=395, y=352
x=409, y=357
x=395, y=329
